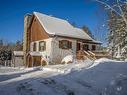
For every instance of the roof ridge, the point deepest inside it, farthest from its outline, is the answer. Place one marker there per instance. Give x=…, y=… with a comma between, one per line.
x=57, y=26
x=51, y=16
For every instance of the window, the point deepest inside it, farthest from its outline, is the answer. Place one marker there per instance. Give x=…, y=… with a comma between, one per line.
x=42, y=46
x=85, y=47
x=93, y=47
x=65, y=44
x=34, y=47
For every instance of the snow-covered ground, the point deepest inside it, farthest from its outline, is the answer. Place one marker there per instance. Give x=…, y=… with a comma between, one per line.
x=103, y=77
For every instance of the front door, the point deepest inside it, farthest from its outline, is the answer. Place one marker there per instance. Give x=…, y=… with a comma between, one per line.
x=78, y=47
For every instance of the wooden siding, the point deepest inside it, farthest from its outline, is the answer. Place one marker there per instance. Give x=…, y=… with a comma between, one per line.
x=37, y=61
x=37, y=31
x=82, y=55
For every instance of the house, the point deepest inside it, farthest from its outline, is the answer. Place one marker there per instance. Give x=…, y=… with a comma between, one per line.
x=17, y=58
x=47, y=40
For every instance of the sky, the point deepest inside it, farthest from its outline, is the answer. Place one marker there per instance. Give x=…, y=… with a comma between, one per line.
x=80, y=12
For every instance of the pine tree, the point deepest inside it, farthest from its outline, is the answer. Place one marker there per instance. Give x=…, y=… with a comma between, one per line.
x=19, y=45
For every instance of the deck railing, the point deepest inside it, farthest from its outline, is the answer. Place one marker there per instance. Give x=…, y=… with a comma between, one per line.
x=93, y=55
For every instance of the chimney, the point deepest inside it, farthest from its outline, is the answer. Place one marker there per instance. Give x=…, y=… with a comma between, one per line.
x=26, y=37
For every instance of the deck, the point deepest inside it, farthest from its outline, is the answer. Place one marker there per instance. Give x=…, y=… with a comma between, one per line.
x=93, y=55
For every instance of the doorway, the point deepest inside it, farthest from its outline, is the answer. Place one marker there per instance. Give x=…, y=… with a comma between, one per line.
x=78, y=47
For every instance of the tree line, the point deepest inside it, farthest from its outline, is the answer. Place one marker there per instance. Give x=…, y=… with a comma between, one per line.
x=6, y=49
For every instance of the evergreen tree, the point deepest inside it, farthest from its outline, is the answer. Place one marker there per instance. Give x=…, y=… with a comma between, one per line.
x=19, y=45
x=1, y=42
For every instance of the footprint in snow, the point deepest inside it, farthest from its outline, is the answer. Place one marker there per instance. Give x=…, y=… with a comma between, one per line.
x=25, y=89
x=58, y=87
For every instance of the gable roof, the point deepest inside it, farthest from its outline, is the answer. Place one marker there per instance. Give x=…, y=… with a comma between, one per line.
x=60, y=27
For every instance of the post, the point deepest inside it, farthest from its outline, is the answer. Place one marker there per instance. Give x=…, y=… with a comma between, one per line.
x=81, y=46
x=5, y=63
x=32, y=61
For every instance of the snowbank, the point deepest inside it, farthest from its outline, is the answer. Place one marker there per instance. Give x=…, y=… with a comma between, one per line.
x=126, y=60
x=67, y=59
x=67, y=68
x=103, y=60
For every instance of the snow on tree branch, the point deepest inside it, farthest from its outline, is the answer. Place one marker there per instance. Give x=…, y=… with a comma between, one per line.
x=121, y=14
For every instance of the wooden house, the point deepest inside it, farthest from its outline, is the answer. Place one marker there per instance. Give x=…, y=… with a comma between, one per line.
x=47, y=40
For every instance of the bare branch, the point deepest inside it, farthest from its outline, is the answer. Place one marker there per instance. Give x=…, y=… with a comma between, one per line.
x=103, y=3
x=122, y=13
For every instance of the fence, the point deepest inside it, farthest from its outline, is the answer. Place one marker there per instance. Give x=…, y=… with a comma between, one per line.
x=5, y=63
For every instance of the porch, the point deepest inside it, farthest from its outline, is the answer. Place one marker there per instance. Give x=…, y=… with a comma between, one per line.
x=84, y=51
x=36, y=59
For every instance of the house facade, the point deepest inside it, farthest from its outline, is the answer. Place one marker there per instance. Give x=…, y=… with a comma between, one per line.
x=47, y=40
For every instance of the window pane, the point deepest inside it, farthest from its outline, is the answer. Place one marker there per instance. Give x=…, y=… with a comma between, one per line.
x=41, y=43
x=65, y=44
x=34, y=47
x=85, y=47
x=42, y=46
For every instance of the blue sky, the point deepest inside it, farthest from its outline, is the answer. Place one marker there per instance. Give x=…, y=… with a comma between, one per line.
x=81, y=12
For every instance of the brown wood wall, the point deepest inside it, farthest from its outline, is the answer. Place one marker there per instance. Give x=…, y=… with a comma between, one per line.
x=37, y=31
x=37, y=61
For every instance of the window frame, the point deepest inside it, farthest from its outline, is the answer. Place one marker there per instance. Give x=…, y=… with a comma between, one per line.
x=86, y=47
x=43, y=47
x=62, y=44
x=94, y=47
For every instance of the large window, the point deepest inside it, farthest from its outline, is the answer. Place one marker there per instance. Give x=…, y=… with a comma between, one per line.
x=34, y=46
x=42, y=46
x=65, y=44
x=86, y=47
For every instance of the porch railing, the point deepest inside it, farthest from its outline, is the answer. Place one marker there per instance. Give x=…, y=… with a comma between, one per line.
x=92, y=55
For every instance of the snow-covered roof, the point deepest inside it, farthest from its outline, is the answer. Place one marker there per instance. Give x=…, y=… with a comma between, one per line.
x=35, y=53
x=18, y=53
x=95, y=41
x=60, y=27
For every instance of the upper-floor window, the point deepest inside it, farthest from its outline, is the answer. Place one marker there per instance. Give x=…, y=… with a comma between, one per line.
x=42, y=46
x=65, y=44
x=93, y=47
x=34, y=46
